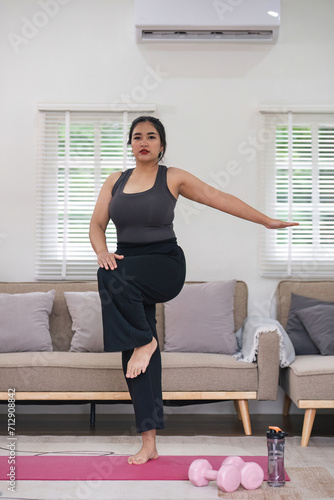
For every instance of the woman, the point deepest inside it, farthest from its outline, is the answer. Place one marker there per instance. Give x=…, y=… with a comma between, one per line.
x=148, y=266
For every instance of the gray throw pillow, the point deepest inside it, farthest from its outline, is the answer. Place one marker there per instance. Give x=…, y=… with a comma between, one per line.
x=297, y=332
x=86, y=314
x=200, y=319
x=319, y=323
x=24, y=321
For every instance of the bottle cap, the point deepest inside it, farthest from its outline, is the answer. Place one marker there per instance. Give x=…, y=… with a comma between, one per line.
x=276, y=433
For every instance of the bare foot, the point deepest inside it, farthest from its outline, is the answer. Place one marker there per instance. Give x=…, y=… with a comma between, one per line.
x=140, y=359
x=146, y=453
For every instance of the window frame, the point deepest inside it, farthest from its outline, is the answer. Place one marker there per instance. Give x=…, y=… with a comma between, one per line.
x=312, y=259
x=57, y=257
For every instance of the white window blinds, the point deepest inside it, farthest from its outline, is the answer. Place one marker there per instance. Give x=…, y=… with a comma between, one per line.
x=297, y=184
x=78, y=150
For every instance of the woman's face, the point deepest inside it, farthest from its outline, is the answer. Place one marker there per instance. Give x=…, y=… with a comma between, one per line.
x=145, y=142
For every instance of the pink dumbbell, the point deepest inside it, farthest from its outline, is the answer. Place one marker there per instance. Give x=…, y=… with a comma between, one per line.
x=201, y=473
x=251, y=474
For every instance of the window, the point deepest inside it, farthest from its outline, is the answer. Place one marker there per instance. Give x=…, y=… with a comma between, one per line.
x=297, y=170
x=78, y=149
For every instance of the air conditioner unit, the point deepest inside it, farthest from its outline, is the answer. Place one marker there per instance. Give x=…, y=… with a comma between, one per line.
x=207, y=20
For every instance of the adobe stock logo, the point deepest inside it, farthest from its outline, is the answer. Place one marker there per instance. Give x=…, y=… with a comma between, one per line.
x=31, y=27
x=225, y=7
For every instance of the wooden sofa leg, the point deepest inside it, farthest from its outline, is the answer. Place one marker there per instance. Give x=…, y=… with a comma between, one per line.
x=237, y=409
x=308, y=424
x=287, y=404
x=244, y=412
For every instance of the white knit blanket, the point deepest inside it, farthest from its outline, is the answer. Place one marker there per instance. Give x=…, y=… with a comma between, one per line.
x=248, y=340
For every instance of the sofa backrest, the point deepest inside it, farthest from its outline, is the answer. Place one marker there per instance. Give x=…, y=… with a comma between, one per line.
x=60, y=319
x=322, y=290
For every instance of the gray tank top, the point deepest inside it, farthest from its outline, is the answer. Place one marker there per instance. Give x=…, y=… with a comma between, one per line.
x=143, y=217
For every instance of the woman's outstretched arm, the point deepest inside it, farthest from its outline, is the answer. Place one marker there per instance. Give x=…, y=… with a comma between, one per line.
x=194, y=189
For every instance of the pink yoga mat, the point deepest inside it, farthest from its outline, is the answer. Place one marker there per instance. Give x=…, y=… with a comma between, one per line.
x=93, y=468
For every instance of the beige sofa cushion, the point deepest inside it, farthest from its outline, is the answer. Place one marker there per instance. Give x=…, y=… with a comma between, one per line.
x=88, y=372
x=313, y=365
x=207, y=372
x=309, y=377
x=62, y=371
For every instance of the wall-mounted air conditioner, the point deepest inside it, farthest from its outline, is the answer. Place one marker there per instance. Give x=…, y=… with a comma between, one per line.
x=207, y=20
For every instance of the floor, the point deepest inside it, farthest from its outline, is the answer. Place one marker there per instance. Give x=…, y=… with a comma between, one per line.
x=185, y=434
x=176, y=425
x=319, y=456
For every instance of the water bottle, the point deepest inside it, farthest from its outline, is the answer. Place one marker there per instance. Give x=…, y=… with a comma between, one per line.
x=275, y=444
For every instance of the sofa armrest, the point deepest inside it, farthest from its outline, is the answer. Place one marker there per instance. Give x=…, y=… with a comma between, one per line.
x=268, y=361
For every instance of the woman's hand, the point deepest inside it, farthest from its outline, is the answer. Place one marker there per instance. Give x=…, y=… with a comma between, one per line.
x=108, y=260
x=279, y=224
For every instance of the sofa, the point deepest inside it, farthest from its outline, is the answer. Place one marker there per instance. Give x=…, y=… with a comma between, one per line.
x=93, y=377
x=309, y=380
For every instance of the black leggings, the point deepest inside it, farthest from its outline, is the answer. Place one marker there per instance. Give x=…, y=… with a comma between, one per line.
x=148, y=274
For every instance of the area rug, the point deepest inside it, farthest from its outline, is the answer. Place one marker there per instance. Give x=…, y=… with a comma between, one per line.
x=115, y=468
x=311, y=469
x=306, y=483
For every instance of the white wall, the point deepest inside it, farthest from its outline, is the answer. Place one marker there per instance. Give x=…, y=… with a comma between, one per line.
x=206, y=95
